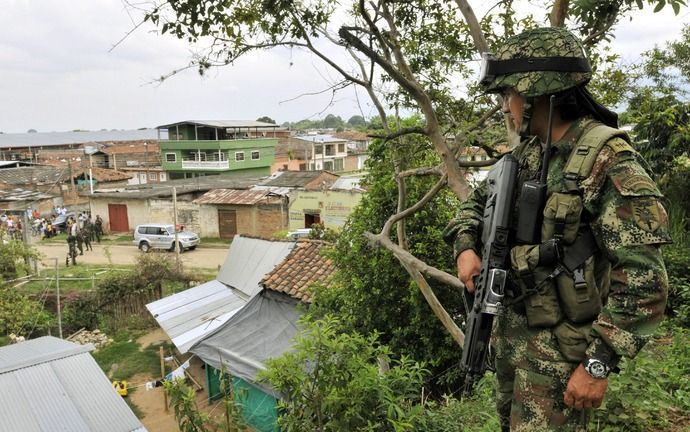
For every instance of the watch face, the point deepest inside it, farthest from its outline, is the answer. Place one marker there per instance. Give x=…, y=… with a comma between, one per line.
x=597, y=368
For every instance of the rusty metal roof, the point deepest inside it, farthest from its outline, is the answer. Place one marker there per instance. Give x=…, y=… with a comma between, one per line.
x=34, y=175
x=232, y=196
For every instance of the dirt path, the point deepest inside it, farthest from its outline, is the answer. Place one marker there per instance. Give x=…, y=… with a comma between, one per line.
x=151, y=402
x=124, y=254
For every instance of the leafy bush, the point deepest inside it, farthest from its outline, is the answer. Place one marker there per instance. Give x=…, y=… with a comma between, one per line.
x=652, y=392
x=341, y=382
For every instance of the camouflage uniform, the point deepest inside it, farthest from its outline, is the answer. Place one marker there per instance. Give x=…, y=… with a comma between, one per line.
x=621, y=205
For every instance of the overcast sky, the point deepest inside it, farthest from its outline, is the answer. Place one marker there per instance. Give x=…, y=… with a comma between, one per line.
x=57, y=72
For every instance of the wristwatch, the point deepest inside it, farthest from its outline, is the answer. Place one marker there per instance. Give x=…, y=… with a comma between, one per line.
x=596, y=368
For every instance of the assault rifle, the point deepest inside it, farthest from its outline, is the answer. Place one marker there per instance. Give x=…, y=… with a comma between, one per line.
x=489, y=286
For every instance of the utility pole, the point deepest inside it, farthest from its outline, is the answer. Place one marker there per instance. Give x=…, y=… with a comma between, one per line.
x=177, y=243
x=57, y=287
x=165, y=395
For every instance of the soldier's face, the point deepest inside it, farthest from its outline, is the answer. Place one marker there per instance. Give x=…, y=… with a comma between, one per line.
x=513, y=108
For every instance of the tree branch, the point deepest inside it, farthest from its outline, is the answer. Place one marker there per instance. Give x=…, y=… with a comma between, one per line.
x=437, y=170
x=475, y=29
x=559, y=12
x=401, y=132
x=419, y=204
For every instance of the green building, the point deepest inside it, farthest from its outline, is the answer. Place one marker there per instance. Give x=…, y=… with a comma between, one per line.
x=213, y=147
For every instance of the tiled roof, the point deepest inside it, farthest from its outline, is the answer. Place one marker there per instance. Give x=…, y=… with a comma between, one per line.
x=31, y=175
x=232, y=196
x=352, y=135
x=301, y=268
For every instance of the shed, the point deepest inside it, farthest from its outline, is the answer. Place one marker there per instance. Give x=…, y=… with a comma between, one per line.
x=190, y=315
x=263, y=329
x=49, y=384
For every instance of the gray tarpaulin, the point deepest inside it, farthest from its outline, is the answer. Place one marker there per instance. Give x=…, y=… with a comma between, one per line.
x=262, y=329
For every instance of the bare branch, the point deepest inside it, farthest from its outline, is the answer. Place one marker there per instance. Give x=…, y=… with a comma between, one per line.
x=436, y=306
x=411, y=210
x=475, y=29
x=559, y=12
x=335, y=87
x=436, y=171
x=416, y=263
x=402, y=132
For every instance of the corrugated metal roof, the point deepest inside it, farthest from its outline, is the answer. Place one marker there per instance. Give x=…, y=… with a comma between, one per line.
x=232, y=196
x=40, y=139
x=249, y=260
x=188, y=316
x=18, y=194
x=322, y=138
x=222, y=124
x=347, y=183
x=53, y=385
x=32, y=175
x=295, y=178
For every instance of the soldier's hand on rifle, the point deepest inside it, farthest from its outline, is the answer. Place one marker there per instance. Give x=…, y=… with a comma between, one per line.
x=469, y=265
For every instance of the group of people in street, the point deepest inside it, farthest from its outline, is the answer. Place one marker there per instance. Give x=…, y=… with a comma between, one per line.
x=80, y=233
x=11, y=226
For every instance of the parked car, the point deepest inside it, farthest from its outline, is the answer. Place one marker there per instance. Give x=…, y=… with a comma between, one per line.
x=162, y=236
x=60, y=221
x=299, y=233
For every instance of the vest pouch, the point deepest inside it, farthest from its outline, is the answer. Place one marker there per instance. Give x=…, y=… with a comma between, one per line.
x=561, y=217
x=573, y=340
x=542, y=308
x=579, y=294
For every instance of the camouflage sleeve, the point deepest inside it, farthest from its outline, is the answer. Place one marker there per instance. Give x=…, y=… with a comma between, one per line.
x=464, y=231
x=630, y=224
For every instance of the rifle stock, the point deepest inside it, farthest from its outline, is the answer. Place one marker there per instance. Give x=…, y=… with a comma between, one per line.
x=486, y=301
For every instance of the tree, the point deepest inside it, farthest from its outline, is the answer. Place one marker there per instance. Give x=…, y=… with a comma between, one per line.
x=333, y=122
x=356, y=121
x=413, y=55
x=266, y=119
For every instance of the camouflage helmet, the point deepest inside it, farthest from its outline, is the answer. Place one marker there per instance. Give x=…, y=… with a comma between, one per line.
x=537, y=62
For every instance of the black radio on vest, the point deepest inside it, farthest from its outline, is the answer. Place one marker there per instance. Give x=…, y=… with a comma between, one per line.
x=533, y=196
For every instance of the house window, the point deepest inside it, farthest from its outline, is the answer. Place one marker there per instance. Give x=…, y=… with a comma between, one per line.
x=239, y=156
x=303, y=167
x=255, y=155
x=198, y=156
x=338, y=165
x=341, y=148
x=153, y=176
x=171, y=157
x=317, y=149
x=328, y=165
x=330, y=150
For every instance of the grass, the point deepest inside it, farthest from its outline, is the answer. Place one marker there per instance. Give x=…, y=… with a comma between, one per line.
x=128, y=357
x=82, y=271
x=85, y=272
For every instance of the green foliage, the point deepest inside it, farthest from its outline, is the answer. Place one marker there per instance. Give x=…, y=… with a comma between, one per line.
x=125, y=353
x=320, y=232
x=21, y=315
x=334, y=382
x=652, y=391
x=372, y=292
x=182, y=399
x=14, y=257
x=266, y=119
x=356, y=121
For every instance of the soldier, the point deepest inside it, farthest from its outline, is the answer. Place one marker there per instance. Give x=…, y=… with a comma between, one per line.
x=80, y=238
x=86, y=236
x=98, y=228
x=557, y=339
x=71, y=243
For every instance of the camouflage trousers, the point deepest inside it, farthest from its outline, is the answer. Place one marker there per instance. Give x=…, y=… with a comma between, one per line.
x=532, y=376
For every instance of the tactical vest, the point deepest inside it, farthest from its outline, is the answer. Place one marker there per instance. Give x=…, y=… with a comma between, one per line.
x=575, y=298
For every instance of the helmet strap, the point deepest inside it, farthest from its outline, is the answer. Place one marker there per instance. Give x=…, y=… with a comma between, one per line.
x=527, y=111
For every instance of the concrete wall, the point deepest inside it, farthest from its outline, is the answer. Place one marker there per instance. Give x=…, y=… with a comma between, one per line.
x=262, y=220
x=137, y=211
x=333, y=207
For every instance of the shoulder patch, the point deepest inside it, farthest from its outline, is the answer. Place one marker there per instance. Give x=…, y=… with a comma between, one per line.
x=619, y=145
x=647, y=213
